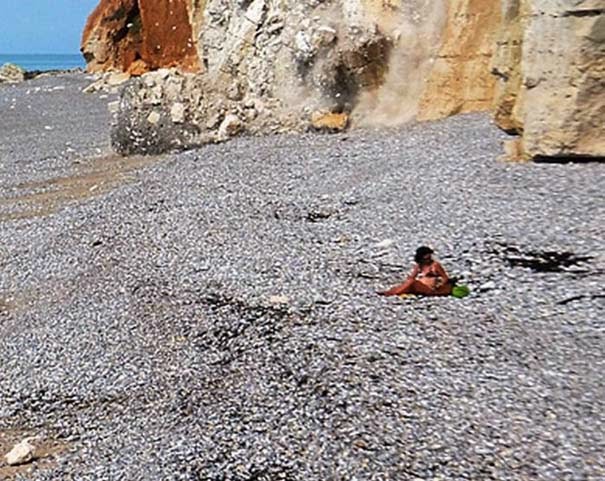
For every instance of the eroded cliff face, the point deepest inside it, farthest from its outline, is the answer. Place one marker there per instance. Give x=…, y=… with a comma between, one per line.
x=289, y=65
x=269, y=66
x=551, y=69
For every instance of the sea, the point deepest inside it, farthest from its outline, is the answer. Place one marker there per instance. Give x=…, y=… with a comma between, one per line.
x=44, y=62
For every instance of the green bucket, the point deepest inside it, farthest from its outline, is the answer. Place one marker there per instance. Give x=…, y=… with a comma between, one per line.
x=459, y=291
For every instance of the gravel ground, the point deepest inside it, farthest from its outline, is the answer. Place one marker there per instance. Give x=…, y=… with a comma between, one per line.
x=141, y=325
x=46, y=123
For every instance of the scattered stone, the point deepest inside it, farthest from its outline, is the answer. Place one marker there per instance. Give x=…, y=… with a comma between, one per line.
x=384, y=244
x=94, y=87
x=22, y=453
x=235, y=91
x=114, y=79
x=113, y=107
x=154, y=117
x=279, y=299
x=230, y=127
x=488, y=286
x=138, y=68
x=177, y=113
x=108, y=83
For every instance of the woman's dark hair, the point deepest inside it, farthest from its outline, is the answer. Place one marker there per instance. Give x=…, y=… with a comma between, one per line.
x=421, y=252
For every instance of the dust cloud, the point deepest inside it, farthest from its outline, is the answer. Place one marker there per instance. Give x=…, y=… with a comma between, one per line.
x=416, y=28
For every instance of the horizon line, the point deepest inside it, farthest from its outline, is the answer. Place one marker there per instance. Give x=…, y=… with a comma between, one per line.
x=40, y=53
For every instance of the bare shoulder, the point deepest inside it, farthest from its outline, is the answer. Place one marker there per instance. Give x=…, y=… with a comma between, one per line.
x=437, y=265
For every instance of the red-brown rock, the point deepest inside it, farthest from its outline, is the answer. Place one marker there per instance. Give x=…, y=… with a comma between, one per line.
x=139, y=36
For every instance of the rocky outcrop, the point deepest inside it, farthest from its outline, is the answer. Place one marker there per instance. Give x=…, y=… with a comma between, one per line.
x=271, y=65
x=138, y=36
x=361, y=62
x=551, y=69
x=11, y=73
x=328, y=64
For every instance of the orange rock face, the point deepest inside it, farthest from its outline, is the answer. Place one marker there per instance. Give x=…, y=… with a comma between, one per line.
x=167, y=35
x=461, y=79
x=139, y=36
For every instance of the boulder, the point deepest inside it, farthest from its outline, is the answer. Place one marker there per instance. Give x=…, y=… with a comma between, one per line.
x=551, y=70
x=148, y=120
x=230, y=127
x=11, y=73
x=329, y=121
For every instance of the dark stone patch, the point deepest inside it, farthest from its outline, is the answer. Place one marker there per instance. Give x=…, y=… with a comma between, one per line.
x=542, y=261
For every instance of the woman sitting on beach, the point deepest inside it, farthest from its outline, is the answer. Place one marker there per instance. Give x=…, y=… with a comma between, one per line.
x=428, y=278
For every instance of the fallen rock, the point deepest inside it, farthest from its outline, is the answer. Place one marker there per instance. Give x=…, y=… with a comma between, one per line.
x=230, y=127
x=113, y=107
x=11, y=73
x=329, y=121
x=214, y=121
x=177, y=113
x=108, y=82
x=114, y=79
x=96, y=86
x=22, y=453
x=153, y=118
x=152, y=114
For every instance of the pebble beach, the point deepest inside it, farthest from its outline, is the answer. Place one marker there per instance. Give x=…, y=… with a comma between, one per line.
x=212, y=315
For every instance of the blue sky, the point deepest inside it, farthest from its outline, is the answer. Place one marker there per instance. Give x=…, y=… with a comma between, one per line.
x=43, y=26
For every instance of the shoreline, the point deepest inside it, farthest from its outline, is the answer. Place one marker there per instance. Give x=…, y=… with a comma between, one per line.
x=32, y=74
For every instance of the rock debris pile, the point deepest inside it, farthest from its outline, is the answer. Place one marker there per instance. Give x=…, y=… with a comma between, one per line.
x=340, y=62
x=537, y=64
